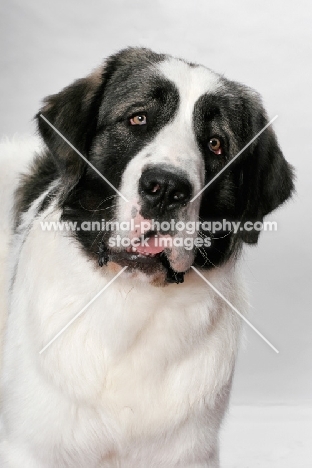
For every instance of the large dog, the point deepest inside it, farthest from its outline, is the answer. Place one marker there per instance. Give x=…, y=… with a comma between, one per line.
x=142, y=376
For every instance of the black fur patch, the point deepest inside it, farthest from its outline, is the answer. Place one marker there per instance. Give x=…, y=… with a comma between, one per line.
x=131, y=88
x=42, y=173
x=257, y=182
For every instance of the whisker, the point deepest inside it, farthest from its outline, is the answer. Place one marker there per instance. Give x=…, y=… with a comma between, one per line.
x=97, y=208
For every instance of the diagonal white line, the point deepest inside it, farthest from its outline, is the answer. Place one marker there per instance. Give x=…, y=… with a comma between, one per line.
x=235, y=310
x=82, y=310
x=83, y=157
x=232, y=160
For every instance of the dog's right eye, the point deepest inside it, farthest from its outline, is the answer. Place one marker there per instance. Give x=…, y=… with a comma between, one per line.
x=215, y=145
x=139, y=119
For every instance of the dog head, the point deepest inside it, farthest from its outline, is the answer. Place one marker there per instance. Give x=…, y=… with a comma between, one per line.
x=160, y=130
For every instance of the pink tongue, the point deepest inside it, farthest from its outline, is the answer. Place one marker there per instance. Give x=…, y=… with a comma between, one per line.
x=151, y=248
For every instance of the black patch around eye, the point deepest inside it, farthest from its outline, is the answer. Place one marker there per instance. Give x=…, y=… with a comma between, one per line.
x=116, y=142
x=211, y=118
x=120, y=141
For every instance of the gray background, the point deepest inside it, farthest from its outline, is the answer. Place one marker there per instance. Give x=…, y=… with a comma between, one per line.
x=265, y=44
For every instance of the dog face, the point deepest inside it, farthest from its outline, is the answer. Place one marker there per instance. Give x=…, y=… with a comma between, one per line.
x=159, y=129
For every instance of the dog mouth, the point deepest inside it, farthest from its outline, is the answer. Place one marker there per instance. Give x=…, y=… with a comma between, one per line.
x=148, y=256
x=144, y=255
x=134, y=259
x=149, y=247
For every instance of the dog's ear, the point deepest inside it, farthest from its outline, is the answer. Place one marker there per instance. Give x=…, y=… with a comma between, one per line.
x=73, y=112
x=267, y=178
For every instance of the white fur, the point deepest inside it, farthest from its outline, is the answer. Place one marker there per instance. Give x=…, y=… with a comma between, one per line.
x=140, y=379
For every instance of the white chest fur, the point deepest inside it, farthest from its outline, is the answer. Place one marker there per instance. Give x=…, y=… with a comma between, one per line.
x=142, y=374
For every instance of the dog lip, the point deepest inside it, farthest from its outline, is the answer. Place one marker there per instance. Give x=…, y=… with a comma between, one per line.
x=148, y=264
x=132, y=254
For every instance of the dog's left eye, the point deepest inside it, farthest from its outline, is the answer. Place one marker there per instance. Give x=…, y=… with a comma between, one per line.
x=215, y=145
x=139, y=119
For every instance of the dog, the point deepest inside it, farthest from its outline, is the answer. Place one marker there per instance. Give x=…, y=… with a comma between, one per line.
x=120, y=343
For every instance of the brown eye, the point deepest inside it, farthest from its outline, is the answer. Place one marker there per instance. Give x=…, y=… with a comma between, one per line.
x=139, y=119
x=215, y=145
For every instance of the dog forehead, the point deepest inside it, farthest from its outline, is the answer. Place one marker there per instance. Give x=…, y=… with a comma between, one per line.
x=191, y=81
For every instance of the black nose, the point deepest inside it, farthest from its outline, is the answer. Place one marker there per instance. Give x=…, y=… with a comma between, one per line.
x=164, y=190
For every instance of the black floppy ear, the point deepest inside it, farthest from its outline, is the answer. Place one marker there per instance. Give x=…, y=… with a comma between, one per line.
x=267, y=178
x=73, y=112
